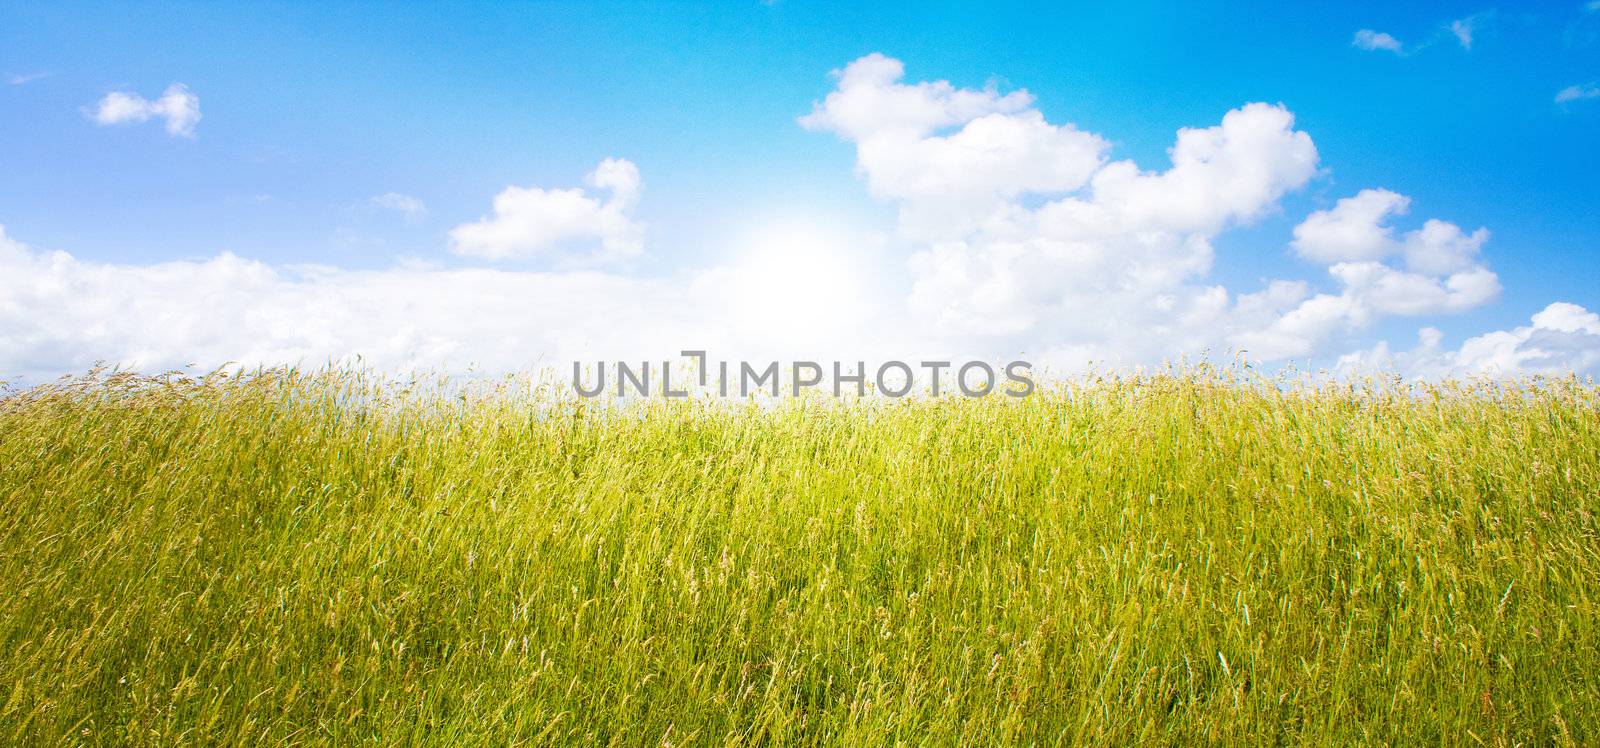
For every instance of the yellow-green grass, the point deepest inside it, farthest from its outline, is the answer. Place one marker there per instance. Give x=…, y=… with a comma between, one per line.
x=1189, y=558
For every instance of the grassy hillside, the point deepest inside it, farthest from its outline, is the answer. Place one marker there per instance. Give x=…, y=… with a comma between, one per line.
x=296, y=559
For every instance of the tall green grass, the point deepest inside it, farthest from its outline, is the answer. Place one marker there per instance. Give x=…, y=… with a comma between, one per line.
x=1190, y=558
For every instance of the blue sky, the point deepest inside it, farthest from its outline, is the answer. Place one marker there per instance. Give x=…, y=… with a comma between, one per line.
x=310, y=112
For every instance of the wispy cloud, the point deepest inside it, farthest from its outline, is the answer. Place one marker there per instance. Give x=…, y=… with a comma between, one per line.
x=410, y=208
x=1577, y=93
x=1463, y=30
x=1468, y=30
x=1372, y=41
x=23, y=79
x=177, y=106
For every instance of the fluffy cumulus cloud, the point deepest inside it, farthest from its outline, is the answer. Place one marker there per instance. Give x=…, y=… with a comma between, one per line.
x=60, y=314
x=177, y=107
x=572, y=224
x=1560, y=339
x=1355, y=229
x=1119, y=261
x=1013, y=234
x=1373, y=41
x=997, y=148
x=1440, y=273
x=1090, y=259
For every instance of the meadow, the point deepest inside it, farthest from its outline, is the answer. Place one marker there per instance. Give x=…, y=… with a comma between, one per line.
x=1198, y=556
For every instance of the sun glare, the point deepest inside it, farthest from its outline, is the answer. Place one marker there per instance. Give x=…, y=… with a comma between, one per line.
x=798, y=286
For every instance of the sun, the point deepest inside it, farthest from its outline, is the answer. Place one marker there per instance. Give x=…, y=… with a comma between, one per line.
x=799, y=286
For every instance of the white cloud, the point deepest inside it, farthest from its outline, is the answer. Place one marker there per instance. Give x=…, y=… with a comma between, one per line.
x=870, y=100
x=1354, y=229
x=1375, y=40
x=1357, y=230
x=1442, y=275
x=1441, y=248
x=1562, y=338
x=1021, y=235
x=1371, y=290
x=1231, y=172
x=1577, y=93
x=58, y=313
x=410, y=208
x=23, y=79
x=61, y=314
x=948, y=183
x=1464, y=32
x=1382, y=290
x=567, y=223
x=1108, y=267
x=177, y=106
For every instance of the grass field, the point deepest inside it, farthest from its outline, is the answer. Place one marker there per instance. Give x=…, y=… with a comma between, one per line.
x=1179, y=559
